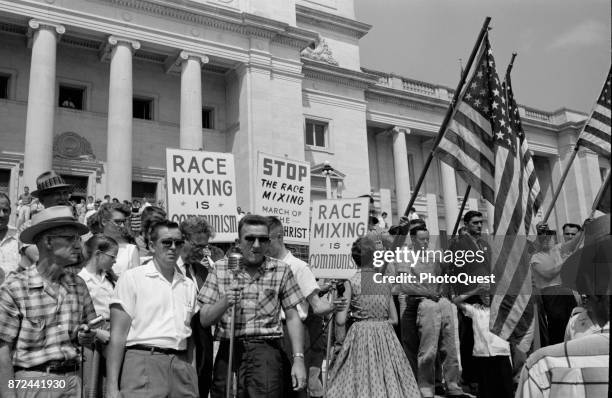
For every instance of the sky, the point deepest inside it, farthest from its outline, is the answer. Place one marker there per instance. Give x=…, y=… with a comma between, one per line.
x=563, y=46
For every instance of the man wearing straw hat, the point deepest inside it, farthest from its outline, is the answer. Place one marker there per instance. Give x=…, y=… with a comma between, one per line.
x=44, y=312
x=52, y=190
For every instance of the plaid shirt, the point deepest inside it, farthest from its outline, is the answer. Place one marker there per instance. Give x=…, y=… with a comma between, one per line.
x=39, y=323
x=258, y=312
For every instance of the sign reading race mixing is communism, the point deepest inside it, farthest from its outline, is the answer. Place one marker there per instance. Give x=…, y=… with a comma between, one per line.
x=283, y=190
x=335, y=225
x=203, y=184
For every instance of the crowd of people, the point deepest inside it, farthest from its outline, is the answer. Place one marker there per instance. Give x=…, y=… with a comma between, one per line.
x=113, y=299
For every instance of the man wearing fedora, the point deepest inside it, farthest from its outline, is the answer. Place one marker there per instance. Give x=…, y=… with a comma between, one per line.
x=44, y=311
x=52, y=190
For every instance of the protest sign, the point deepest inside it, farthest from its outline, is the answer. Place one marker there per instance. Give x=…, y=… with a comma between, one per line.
x=335, y=225
x=203, y=184
x=283, y=190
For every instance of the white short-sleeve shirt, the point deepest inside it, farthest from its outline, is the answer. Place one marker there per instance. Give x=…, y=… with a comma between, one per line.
x=161, y=311
x=100, y=290
x=305, y=280
x=486, y=344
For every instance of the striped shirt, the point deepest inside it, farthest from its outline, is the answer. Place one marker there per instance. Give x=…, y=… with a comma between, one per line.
x=577, y=369
x=39, y=322
x=258, y=312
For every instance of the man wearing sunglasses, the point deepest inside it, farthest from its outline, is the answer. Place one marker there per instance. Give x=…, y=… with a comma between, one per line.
x=259, y=288
x=44, y=310
x=150, y=312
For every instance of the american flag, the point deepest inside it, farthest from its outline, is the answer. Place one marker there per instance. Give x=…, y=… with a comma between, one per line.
x=482, y=145
x=467, y=143
x=533, y=199
x=596, y=134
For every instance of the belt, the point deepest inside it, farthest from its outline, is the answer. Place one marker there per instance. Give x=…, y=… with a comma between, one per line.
x=159, y=350
x=55, y=367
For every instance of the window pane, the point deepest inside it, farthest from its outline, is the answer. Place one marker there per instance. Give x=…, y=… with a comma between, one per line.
x=141, y=108
x=207, y=118
x=4, y=80
x=71, y=97
x=319, y=135
x=309, y=133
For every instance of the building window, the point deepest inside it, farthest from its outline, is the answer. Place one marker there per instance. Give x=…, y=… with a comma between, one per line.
x=411, y=171
x=4, y=86
x=208, y=120
x=316, y=133
x=79, y=186
x=5, y=180
x=142, y=108
x=142, y=190
x=71, y=97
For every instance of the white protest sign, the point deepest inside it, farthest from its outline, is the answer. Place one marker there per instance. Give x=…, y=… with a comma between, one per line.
x=283, y=190
x=203, y=184
x=335, y=225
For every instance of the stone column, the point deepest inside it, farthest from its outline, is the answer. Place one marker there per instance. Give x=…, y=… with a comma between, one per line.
x=38, y=154
x=449, y=192
x=191, y=100
x=400, y=165
x=119, y=136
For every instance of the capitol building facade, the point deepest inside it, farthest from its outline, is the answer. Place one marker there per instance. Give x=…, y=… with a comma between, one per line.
x=98, y=89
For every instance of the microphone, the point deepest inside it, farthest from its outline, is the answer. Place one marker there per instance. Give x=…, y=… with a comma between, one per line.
x=233, y=262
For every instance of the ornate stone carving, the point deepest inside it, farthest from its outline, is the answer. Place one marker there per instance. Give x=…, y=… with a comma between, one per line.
x=320, y=53
x=72, y=146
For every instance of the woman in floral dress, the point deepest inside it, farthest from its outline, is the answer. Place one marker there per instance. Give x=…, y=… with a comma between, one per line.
x=371, y=362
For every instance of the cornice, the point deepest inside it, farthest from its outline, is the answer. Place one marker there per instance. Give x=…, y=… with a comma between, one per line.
x=324, y=71
x=223, y=19
x=403, y=98
x=322, y=19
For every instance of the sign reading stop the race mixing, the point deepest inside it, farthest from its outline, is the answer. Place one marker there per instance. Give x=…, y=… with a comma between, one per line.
x=283, y=191
x=203, y=184
x=335, y=225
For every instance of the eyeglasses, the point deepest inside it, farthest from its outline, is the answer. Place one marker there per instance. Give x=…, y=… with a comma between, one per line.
x=119, y=221
x=114, y=257
x=167, y=243
x=262, y=239
x=69, y=238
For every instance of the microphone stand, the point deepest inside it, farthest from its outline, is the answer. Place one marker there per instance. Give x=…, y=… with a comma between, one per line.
x=233, y=262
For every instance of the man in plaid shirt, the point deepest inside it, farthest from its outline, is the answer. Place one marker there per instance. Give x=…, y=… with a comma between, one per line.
x=44, y=312
x=259, y=288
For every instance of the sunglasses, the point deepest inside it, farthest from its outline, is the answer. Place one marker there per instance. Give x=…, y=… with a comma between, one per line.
x=167, y=243
x=120, y=221
x=262, y=239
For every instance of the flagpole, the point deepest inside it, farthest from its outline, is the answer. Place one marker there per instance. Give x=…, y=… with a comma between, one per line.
x=465, y=198
x=398, y=241
x=558, y=189
x=600, y=194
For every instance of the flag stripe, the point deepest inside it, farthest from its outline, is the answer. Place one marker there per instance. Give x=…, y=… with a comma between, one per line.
x=599, y=146
x=480, y=183
x=472, y=152
x=596, y=134
x=602, y=110
x=600, y=117
x=598, y=130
